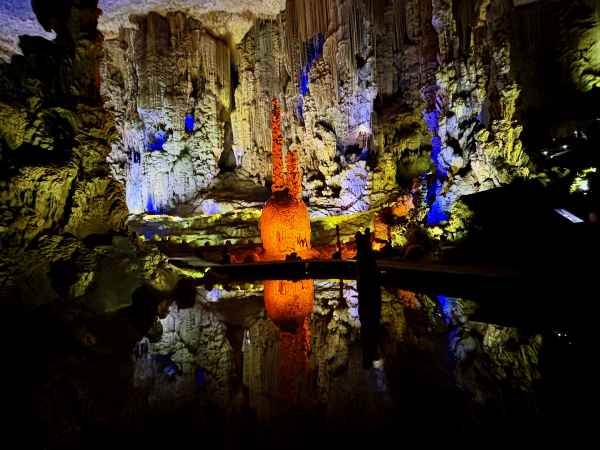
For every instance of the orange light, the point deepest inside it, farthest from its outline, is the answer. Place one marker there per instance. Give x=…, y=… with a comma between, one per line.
x=284, y=224
x=284, y=227
x=289, y=305
x=378, y=246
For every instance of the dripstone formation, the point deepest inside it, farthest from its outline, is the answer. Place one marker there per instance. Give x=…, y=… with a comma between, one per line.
x=132, y=129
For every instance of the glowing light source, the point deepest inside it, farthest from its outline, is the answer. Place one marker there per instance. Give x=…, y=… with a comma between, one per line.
x=569, y=216
x=378, y=246
x=189, y=123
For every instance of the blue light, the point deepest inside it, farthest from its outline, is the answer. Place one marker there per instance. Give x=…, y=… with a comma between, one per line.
x=432, y=119
x=150, y=207
x=436, y=214
x=314, y=49
x=189, y=123
x=200, y=380
x=436, y=144
x=300, y=106
x=160, y=138
x=304, y=81
x=447, y=304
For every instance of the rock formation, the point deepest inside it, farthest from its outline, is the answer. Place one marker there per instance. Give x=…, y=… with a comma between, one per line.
x=284, y=224
x=391, y=111
x=373, y=94
x=17, y=19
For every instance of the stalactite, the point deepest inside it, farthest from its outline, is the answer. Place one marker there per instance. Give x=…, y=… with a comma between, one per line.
x=330, y=49
x=304, y=20
x=399, y=8
x=464, y=13
x=376, y=12
x=223, y=68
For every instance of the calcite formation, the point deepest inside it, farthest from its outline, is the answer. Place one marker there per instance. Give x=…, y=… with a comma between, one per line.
x=17, y=18
x=373, y=94
x=391, y=110
x=284, y=224
x=168, y=86
x=232, y=16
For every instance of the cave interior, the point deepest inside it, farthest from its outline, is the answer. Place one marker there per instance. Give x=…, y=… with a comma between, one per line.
x=270, y=223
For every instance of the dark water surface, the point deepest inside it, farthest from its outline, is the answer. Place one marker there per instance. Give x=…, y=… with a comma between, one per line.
x=230, y=373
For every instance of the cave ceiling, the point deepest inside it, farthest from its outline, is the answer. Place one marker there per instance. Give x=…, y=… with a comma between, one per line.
x=228, y=18
x=17, y=18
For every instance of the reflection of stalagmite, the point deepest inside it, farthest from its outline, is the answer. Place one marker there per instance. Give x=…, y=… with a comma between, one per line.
x=284, y=225
x=290, y=304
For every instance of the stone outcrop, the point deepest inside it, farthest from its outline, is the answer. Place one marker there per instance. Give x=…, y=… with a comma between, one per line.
x=72, y=275
x=168, y=85
x=17, y=19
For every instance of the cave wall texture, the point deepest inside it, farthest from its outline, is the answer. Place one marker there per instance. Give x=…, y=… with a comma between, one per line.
x=373, y=94
x=459, y=91
x=70, y=269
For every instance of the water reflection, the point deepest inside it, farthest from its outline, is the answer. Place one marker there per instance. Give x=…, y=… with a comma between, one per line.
x=289, y=305
x=285, y=359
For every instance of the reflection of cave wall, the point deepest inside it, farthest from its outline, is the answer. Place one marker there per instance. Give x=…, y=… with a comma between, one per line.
x=467, y=377
x=70, y=269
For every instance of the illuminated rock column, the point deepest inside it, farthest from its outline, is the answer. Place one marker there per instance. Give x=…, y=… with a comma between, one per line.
x=284, y=224
x=277, y=148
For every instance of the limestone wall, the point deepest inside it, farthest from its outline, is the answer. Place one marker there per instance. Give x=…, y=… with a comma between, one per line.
x=373, y=94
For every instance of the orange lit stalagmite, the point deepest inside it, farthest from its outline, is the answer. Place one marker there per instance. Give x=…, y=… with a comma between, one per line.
x=285, y=229
x=284, y=225
x=277, y=148
x=289, y=305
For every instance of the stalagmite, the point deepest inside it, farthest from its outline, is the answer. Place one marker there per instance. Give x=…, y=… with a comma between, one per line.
x=277, y=148
x=284, y=224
